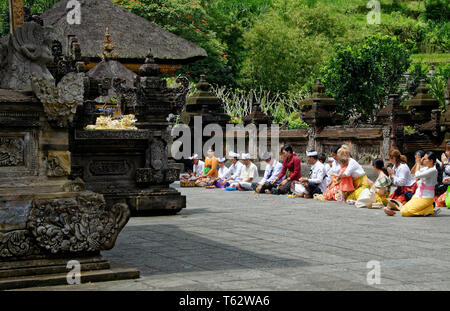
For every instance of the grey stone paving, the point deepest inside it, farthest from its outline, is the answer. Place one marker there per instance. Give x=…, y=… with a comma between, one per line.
x=243, y=241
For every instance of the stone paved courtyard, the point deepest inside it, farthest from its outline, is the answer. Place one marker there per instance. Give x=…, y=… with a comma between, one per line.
x=243, y=241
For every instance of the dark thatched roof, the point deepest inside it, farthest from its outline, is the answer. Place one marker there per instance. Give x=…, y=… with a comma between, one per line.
x=132, y=35
x=112, y=69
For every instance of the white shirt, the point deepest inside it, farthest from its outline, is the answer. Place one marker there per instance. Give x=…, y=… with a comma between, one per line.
x=402, y=176
x=235, y=171
x=328, y=171
x=223, y=172
x=198, y=168
x=249, y=171
x=354, y=169
x=317, y=175
x=427, y=181
x=335, y=168
x=271, y=172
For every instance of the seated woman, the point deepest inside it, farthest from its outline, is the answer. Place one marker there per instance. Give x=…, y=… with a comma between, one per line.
x=210, y=170
x=421, y=203
x=445, y=183
x=382, y=183
x=355, y=170
x=401, y=178
x=337, y=187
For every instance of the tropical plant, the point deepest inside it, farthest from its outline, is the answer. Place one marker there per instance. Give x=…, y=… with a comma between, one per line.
x=361, y=76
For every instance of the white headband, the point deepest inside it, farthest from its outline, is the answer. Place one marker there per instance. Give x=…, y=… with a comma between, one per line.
x=245, y=156
x=221, y=160
x=311, y=153
x=232, y=154
x=195, y=156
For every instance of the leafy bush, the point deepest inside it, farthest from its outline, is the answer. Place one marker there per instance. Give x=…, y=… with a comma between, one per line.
x=361, y=76
x=287, y=45
x=437, y=10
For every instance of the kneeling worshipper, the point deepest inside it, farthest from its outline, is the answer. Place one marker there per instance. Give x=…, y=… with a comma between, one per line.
x=339, y=186
x=316, y=181
x=249, y=172
x=421, y=203
x=197, y=168
x=403, y=183
x=273, y=169
x=234, y=175
x=445, y=183
x=209, y=171
x=355, y=170
x=222, y=174
x=291, y=171
x=382, y=184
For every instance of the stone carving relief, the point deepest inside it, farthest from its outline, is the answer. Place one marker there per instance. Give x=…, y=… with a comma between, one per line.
x=61, y=101
x=16, y=243
x=80, y=224
x=58, y=163
x=28, y=52
x=11, y=151
x=104, y=167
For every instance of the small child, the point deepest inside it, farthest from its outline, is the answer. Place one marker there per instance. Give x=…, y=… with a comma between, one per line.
x=339, y=186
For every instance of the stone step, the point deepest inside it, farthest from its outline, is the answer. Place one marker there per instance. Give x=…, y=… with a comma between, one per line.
x=114, y=273
x=20, y=268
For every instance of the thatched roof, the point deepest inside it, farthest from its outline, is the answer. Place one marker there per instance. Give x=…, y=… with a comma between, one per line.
x=132, y=35
x=112, y=69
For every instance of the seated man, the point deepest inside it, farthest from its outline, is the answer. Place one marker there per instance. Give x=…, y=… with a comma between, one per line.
x=291, y=171
x=316, y=182
x=223, y=173
x=273, y=169
x=197, y=169
x=249, y=172
x=234, y=175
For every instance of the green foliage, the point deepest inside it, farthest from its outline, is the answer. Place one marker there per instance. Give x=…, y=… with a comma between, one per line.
x=437, y=10
x=361, y=76
x=437, y=82
x=36, y=7
x=287, y=45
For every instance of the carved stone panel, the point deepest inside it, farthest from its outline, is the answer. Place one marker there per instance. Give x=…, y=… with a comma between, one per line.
x=109, y=167
x=58, y=163
x=12, y=151
x=18, y=154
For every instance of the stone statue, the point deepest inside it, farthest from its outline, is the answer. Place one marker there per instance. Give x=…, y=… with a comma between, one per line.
x=27, y=52
x=61, y=101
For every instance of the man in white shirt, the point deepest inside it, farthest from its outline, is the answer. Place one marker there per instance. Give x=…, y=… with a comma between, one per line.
x=273, y=169
x=234, y=170
x=249, y=172
x=316, y=181
x=222, y=174
x=197, y=167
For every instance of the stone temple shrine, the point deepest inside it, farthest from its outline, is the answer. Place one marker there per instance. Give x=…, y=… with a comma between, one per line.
x=83, y=138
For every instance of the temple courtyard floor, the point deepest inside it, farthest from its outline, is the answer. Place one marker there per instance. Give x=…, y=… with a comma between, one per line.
x=242, y=241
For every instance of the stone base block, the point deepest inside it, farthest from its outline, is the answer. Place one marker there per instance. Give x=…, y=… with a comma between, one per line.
x=169, y=203
x=49, y=272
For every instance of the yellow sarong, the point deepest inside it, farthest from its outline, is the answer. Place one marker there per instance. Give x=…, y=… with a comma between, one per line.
x=360, y=184
x=418, y=207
